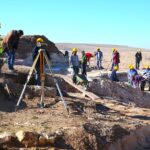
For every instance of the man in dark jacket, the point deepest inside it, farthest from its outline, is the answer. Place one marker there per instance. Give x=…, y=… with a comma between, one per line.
x=10, y=45
x=138, y=59
x=39, y=45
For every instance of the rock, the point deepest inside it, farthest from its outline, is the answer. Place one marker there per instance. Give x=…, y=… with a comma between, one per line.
x=42, y=140
x=4, y=134
x=29, y=139
x=47, y=139
x=51, y=140
x=8, y=140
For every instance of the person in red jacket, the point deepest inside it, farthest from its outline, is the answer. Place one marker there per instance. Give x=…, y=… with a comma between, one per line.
x=88, y=56
x=115, y=59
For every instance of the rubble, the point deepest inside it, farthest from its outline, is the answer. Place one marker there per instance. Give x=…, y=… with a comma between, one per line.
x=120, y=91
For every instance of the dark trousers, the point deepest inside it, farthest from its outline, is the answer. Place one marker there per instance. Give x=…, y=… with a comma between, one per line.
x=75, y=72
x=137, y=64
x=143, y=83
x=84, y=69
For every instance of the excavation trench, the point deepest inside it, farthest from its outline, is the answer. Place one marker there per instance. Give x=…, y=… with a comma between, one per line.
x=91, y=125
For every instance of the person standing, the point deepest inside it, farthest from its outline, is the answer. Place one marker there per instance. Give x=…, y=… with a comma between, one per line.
x=10, y=45
x=115, y=59
x=138, y=59
x=66, y=55
x=83, y=63
x=99, y=57
x=74, y=63
x=35, y=51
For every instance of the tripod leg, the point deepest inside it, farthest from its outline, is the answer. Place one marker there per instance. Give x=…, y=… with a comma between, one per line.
x=60, y=93
x=28, y=79
x=42, y=77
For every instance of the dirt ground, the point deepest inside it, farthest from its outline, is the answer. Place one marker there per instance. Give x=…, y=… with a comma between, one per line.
x=102, y=121
x=104, y=113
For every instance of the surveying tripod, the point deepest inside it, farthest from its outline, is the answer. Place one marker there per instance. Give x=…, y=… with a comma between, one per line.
x=41, y=55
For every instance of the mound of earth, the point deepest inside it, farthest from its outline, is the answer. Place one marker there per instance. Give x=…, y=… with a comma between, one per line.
x=26, y=45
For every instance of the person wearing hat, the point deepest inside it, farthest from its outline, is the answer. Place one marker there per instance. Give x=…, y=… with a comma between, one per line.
x=138, y=58
x=10, y=45
x=39, y=45
x=99, y=57
x=74, y=63
x=113, y=76
x=133, y=77
x=115, y=59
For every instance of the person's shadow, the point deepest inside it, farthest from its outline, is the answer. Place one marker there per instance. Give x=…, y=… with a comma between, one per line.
x=9, y=104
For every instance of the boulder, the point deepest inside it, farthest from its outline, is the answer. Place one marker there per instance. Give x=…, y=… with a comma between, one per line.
x=28, y=139
x=8, y=140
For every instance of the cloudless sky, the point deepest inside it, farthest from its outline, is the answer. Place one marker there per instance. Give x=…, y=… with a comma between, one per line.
x=121, y=22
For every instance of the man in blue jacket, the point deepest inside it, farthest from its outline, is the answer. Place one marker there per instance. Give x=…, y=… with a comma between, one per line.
x=99, y=57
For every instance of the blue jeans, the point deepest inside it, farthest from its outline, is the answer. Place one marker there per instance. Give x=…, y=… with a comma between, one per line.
x=37, y=76
x=10, y=54
x=99, y=64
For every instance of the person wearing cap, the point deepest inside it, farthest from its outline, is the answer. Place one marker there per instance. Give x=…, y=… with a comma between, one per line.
x=138, y=58
x=133, y=77
x=10, y=45
x=40, y=44
x=113, y=76
x=115, y=59
x=99, y=57
x=74, y=63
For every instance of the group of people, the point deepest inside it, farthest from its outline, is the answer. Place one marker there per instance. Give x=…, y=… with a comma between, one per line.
x=134, y=79
x=137, y=80
x=75, y=63
x=10, y=45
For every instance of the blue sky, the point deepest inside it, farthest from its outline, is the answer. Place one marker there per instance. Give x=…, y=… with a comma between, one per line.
x=121, y=22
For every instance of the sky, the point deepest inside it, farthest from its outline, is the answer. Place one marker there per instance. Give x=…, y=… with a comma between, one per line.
x=121, y=22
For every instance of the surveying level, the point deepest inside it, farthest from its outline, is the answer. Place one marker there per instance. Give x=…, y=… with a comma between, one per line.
x=41, y=55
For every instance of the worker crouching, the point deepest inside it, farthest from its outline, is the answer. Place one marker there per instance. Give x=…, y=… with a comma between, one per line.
x=133, y=77
x=113, y=76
